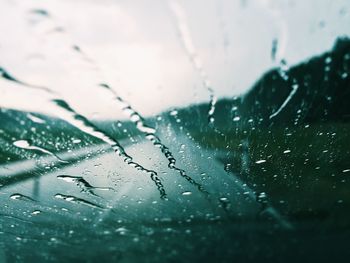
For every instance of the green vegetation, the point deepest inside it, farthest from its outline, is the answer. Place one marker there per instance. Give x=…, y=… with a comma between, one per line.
x=305, y=173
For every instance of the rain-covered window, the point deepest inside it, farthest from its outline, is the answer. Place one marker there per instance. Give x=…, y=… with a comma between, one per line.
x=174, y=131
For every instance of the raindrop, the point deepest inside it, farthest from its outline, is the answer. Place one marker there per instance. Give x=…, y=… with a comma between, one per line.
x=36, y=212
x=274, y=49
x=21, y=197
x=24, y=144
x=173, y=113
x=35, y=119
x=76, y=141
x=83, y=184
x=295, y=88
x=41, y=12
x=77, y=200
x=328, y=60
x=227, y=167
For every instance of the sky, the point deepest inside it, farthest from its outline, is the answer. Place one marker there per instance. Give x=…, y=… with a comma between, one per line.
x=155, y=54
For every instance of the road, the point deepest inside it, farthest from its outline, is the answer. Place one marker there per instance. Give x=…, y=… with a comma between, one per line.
x=104, y=199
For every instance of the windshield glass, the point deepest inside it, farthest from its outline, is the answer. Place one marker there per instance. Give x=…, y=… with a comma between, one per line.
x=166, y=131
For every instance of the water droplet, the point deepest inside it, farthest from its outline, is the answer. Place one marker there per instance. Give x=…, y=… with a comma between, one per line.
x=21, y=197
x=35, y=119
x=122, y=231
x=21, y=144
x=227, y=167
x=223, y=199
x=76, y=141
x=77, y=200
x=173, y=113
x=328, y=60
x=36, y=212
x=83, y=184
x=24, y=144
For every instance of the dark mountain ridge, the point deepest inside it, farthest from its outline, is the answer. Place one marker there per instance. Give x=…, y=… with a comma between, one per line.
x=317, y=90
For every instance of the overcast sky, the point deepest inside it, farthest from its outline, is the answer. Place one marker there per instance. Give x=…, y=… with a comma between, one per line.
x=156, y=54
